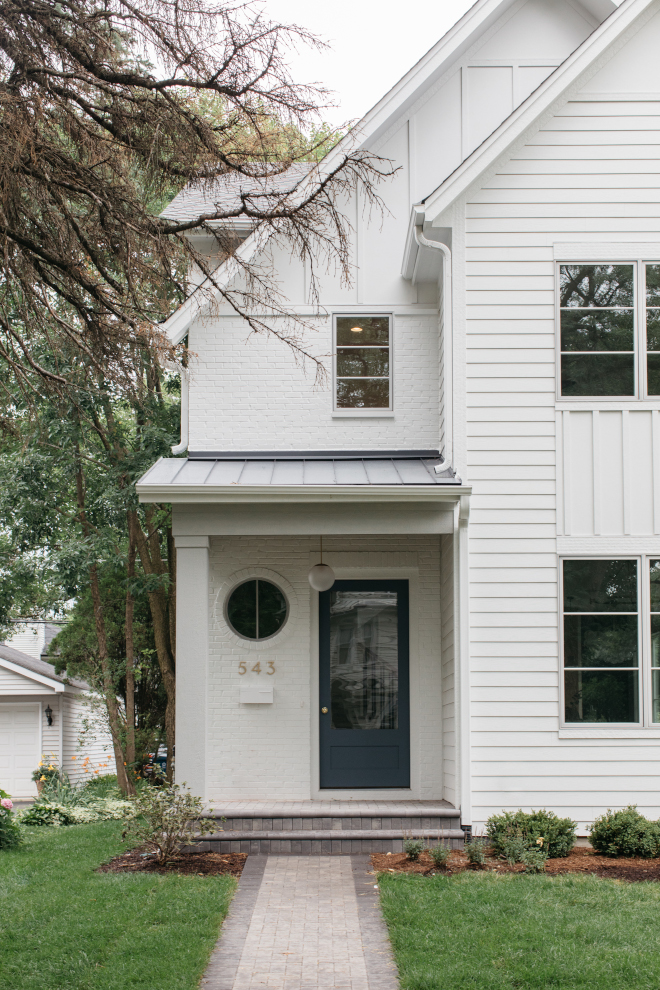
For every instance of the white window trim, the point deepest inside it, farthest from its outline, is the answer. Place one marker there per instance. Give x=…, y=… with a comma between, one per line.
x=357, y=413
x=645, y=727
x=639, y=340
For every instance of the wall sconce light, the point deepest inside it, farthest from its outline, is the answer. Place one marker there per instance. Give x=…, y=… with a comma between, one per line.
x=49, y=715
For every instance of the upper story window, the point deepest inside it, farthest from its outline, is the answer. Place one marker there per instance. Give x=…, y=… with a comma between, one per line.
x=363, y=362
x=609, y=316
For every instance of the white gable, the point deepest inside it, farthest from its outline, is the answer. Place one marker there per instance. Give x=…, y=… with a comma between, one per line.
x=13, y=683
x=634, y=68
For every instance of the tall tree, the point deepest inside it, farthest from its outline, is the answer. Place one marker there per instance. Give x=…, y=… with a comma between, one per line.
x=68, y=512
x=106, y=108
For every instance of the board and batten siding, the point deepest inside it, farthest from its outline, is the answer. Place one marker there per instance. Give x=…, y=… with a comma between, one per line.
x=543, y=469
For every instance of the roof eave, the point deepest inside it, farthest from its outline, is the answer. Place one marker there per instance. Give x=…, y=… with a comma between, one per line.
x=255, y=494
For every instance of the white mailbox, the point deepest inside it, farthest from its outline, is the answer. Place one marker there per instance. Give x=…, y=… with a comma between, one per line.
x=255, y=695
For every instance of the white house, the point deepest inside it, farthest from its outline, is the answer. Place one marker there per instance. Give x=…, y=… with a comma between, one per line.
x=484, y=467
x=43, y=714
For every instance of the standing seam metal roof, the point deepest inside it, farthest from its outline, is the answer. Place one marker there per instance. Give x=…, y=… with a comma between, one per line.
x=263, y=471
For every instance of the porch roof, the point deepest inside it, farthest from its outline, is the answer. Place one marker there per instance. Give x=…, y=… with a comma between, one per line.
x=232, y=475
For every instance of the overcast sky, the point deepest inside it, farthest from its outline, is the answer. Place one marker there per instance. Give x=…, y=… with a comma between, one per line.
x=373, y=44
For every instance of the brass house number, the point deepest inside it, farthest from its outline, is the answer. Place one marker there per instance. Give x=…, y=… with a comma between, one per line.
x=256, y=668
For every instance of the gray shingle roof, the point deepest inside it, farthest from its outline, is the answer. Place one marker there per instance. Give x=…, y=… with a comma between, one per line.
x=38, y=667
x=224, y=193
x=293, y=468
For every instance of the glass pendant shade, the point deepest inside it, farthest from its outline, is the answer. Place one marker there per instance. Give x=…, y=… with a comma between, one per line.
x=321, y=577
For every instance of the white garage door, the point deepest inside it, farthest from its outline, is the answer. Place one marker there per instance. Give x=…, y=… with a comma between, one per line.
x=19, y=748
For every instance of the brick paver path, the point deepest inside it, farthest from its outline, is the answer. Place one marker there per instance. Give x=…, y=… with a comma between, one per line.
x=311, y=923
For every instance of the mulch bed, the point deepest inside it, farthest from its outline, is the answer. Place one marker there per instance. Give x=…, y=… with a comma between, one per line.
x=580, y=860
x=199, y=864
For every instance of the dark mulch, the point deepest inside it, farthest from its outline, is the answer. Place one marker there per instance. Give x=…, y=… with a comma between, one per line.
x=580, y=860
x=201, y=864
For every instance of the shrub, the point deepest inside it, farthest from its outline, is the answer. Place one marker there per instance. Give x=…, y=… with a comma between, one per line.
x=558, y=833
x=534, y=859
x=47, y=814
x=513, y=848
x=475, y=851
x=10, y=831
x=440, y=855
x=74, y=809
x=412, y=847
x=167, y=818
x=625, y=833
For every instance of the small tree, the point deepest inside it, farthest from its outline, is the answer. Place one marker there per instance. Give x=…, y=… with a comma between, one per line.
x=167, y=818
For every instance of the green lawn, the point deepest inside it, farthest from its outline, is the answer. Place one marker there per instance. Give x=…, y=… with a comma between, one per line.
x=479, y=931
x=65, y=927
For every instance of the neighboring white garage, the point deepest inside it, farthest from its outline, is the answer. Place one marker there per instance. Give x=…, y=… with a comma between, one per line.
x=28, y=687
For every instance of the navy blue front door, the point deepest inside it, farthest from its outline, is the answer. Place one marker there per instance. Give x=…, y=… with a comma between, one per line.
x=364, y=698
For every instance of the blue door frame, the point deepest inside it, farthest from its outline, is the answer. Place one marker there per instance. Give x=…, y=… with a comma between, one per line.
x=374, y=758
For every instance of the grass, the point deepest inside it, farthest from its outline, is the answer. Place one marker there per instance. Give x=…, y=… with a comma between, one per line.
x=65, y=927
x=480, y=931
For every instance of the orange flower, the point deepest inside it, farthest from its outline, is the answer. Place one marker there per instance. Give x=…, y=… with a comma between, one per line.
x=74, y=757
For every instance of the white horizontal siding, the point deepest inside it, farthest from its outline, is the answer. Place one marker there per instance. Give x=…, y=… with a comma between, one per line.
x=593, y=173
x=12, y=683
x=97, y=744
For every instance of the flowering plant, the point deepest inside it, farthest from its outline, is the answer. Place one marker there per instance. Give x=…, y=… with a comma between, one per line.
x=10, y=831
x=46, y=771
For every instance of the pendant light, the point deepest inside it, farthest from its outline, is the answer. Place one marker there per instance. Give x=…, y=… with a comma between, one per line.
x=321, y=576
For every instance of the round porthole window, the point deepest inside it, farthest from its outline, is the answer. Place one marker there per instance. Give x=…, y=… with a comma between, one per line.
x=256, y=609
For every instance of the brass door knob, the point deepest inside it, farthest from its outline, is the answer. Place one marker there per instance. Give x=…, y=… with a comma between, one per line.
x=325, y=711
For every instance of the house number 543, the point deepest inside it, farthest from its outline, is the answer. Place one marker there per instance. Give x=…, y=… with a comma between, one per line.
x=256, y=668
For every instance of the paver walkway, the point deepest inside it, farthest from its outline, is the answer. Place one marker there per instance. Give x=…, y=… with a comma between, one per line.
x=303, y=923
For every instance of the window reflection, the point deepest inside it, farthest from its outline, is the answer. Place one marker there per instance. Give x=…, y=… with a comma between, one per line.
x=364, y=660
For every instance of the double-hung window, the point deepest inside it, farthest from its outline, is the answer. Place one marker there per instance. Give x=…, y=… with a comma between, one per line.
x=363, y=362
x=611, y=640
x=609, y=329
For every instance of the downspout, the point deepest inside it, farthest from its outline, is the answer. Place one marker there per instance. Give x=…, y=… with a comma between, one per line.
x=447, y=339
x=462, y=739
x=185, y=403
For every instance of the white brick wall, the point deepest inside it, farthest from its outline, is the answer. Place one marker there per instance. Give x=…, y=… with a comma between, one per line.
x=266, y=751
x=248, y=393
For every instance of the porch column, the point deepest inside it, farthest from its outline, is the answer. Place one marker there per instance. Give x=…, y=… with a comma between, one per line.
x=192, y=650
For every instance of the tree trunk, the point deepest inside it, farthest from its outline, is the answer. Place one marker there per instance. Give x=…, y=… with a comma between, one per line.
x=130, y=661
x=108, y=688
x=114, y=715
x=152, y=563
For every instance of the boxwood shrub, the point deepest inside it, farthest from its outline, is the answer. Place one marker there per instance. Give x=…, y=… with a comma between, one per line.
x=558, y=833
x=625, y=833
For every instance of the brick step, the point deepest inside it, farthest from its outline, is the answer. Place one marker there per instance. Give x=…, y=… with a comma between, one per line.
x=324, y=841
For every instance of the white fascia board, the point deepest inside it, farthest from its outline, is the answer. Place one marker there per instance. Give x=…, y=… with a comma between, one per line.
x=56, y=686
x=177, y=325
x=534, y=106
x=300, y=493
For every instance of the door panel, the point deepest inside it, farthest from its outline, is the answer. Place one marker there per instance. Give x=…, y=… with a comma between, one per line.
x=19, y=748
x=365, y=733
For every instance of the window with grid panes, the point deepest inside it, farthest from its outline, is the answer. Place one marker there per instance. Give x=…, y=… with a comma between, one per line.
x=597, y=329
x=654, y=604
x=363, y=377
x=652, y=283
x=604, y=323
x=601, y=640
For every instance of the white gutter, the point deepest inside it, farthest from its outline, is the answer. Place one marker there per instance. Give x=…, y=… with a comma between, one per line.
x=447, y=338
x=185, y=412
